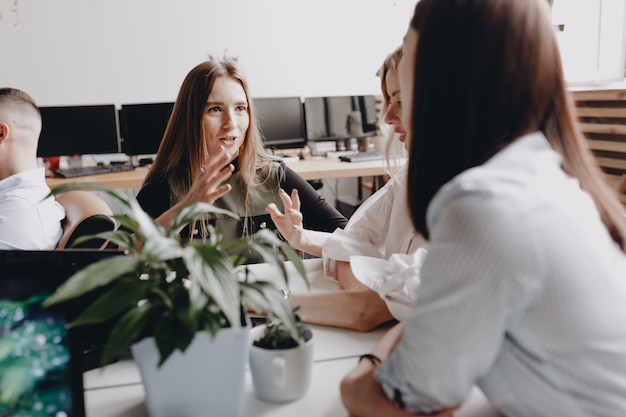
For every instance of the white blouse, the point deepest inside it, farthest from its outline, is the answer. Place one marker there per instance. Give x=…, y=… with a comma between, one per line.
x=523, y=293
x=379, y=228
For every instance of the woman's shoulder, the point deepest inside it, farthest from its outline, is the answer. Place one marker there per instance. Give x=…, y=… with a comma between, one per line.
x=153, y=189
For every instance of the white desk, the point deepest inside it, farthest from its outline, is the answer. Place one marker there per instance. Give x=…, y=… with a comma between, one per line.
x=116, y=390
x=112, y=393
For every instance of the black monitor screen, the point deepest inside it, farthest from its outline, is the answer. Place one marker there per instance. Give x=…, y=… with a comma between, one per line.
x=42, y=362
x=340, y=117
x=142, y=127
x=78, y=130
x=282, y=121
x=367, y=105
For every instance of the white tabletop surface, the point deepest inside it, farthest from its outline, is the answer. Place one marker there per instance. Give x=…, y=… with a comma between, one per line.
x=116, y=390
x=126, y=399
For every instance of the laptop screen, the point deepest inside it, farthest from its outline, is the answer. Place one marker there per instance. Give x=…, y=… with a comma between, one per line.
x=40, y=360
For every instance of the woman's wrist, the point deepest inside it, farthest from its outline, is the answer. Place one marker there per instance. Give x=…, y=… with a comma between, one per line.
x=375, y=360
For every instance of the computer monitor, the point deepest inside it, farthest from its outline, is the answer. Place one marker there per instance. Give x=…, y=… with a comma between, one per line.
x=282, y=121
x=340, y=117
x=367, y=105
x=43, y=362
x=78, y=130
x=142, y=127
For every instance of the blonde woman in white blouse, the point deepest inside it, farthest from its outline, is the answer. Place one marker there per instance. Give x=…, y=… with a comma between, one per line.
x=378, y=229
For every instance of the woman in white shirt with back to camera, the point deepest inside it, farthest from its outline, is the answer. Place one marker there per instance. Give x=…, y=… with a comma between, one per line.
x=378, y=229
x=523, y=290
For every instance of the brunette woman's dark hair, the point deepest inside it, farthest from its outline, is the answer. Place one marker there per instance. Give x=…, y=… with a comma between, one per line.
x=486, y=73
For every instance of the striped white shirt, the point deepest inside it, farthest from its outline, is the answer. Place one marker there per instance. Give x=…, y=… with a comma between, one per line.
x=523, y=293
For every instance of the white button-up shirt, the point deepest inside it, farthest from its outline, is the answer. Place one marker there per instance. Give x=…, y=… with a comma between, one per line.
x=28, y=220
x=523, y=293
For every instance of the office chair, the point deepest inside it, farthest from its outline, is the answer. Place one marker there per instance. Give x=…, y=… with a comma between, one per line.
x=85, y=214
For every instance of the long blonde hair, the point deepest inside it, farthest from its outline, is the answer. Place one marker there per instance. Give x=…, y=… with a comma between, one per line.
x=395, y=153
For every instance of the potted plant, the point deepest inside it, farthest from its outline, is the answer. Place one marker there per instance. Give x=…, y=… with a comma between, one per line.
x=279, y=363
x=179, y=305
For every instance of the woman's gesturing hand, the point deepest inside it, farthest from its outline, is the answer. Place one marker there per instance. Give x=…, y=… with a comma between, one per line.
x=289, y=224
x=206, y=186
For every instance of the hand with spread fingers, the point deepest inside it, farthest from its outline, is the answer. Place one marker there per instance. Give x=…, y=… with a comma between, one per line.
x=207, y=186
x=289, y=224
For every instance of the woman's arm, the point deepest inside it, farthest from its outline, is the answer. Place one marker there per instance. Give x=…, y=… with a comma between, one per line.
x=356, y=309
x=362, y=394
x=290, y=225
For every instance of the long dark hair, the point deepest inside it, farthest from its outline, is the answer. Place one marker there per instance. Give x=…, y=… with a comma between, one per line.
x=486, y=73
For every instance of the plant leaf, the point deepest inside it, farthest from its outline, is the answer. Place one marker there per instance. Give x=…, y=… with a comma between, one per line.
x=296, y=260
x=126, y=293
x=144, y=224
x=263, y=295
x=265, y=242
x=192, y=211
x=162, y=248
x=215, y=275
x=127, y=224
x=127, y=330
x=95, y=275
x=172, y=332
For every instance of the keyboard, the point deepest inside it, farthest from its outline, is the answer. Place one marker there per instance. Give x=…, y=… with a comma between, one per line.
x=362, y=156
x=94, y=170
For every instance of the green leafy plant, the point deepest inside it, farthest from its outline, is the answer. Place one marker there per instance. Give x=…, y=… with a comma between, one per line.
x=277, y=334
x=170, y=289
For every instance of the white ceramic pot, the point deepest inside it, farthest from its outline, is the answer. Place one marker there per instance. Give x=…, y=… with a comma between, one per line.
x=280, y=375
x=208, y=379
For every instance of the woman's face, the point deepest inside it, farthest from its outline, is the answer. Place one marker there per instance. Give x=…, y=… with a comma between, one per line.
x=393, y=115
x=226, y=118
x=406, y=75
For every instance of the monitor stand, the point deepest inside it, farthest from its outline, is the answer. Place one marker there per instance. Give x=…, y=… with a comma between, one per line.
x=140, y=162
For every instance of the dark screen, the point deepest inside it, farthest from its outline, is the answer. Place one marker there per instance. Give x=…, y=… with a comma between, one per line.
x=339, y=117
x=78, y=130
x=282, y=121
x=142, y=127
x=41, y=362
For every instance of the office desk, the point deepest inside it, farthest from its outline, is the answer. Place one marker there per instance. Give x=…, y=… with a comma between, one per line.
x=124, y=179
x=117, y=391
x=317, y=167
x=320, y=167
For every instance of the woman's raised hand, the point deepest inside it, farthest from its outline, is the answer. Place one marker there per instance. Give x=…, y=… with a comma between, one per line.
x=206, y=186
x=288, y=224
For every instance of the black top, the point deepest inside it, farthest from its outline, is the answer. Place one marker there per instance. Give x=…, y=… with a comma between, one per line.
x=318, y=214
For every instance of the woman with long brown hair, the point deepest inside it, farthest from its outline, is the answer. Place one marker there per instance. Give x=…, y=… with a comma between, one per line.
x=211, y=134
x=523, y=290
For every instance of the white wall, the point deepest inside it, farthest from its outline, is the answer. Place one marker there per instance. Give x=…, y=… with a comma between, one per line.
x=66, y=52
x=593, y=42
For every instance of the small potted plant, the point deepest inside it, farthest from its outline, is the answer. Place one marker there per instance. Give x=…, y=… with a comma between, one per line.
x=279, y=363
x=179, y=305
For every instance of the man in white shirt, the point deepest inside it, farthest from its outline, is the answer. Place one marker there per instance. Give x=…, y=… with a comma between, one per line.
x=29, y=219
